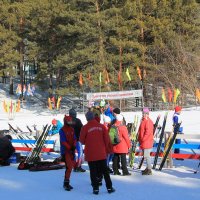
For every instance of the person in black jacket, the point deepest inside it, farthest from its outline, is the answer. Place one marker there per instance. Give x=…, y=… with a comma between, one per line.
x=77, y=125
x=6, y=150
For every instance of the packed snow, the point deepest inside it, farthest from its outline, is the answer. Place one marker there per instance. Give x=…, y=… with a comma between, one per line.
x=175, y=183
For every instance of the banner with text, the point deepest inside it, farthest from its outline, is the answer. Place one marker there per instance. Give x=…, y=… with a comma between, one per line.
x=114, y=95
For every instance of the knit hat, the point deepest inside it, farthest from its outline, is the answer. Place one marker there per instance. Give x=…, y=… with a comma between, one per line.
x=177, y=108
x=145, y=110
x=119, y=117
x=67, y=120
x=72, y=112
x=89, y=115
x=106, y=119
x=116, y=111
x=54, y=122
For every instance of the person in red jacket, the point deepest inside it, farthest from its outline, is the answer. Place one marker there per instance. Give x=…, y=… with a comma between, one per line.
x=68, y=146
x=120, y=150
x=97, y=145
x=145, y=139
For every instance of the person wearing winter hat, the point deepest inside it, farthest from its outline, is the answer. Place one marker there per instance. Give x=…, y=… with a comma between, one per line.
x=56, y=126
x=77, y=125
x=116, y=111
x=68, y=146
x=107, y=124
x=72, y=112
x=97, y=145
x=121, y=149
x=145, y=139
x=177, y=120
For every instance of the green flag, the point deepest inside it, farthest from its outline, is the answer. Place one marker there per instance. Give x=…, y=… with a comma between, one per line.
x=100, y=77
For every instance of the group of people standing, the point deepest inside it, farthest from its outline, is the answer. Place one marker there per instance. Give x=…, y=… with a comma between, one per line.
x=98, y=149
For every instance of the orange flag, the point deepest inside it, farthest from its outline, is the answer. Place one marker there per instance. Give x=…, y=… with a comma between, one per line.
x=81, y=79
x=107, y=79
x=198, y=94
x=89, y=79
x=119, y=78
x=170, y=95
x=139, y=73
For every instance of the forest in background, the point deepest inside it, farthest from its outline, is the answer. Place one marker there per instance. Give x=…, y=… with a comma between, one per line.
x=75, y=46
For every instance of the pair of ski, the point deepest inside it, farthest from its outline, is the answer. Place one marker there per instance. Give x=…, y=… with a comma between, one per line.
x=33, y=156
x=168, y=146
x=33, y=163
x=154, y=131
x=134, y=140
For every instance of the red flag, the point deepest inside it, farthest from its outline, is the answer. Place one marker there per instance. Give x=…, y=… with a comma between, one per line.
x=170, y=95
x=80, y=79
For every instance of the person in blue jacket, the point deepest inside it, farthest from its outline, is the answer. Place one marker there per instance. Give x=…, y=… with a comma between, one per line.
x=108, y=111
x=57, y=125
x=177, y=120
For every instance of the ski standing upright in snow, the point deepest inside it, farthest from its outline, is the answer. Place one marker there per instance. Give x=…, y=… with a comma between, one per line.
x=160, y=140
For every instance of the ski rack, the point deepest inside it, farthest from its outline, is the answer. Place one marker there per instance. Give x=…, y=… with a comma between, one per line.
x=33, y=156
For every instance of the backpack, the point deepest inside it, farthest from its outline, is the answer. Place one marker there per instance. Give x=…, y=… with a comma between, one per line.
x=114, y=135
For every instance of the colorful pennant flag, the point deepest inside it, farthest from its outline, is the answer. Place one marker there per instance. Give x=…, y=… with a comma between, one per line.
x=107, y=79
x=176, y=94
x=128, y=74
x=119, y=79
x=139, y=73
x=170, y=95
x=100, y=79
x=198, y=94
x=163, y=95
x=81, y=79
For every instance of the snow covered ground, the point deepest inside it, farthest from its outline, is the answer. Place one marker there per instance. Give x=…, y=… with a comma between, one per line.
x=169, y=184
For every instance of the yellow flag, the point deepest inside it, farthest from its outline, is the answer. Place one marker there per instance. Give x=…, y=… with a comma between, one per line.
x=176, y=94
x=128, y=75
x=163, y=95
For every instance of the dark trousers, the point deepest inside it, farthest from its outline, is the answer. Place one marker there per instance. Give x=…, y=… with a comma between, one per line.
x=97, y=169
x=177, y=141
x=120, y=157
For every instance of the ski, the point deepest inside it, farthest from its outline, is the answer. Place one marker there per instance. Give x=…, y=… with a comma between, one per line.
x=197, y=170
x=160, y=140
x=29, y=129
x=134, y=140
x=45, y=166
x=33, y=156
x=155, y=128
x=171, y=142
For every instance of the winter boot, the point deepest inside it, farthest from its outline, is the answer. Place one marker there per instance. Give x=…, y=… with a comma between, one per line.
x=147, y=172
x=95, y=190
x=117, y=172
x=111, y=190
x=66, y=185
x=80, y=169
x=110, y=170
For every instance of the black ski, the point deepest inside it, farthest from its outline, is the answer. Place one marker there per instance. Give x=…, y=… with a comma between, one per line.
x=155, y=127
x=160, y=140
x=33, y=156
x=197, y=170
x=166, y=153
